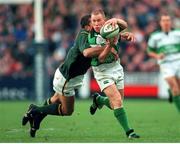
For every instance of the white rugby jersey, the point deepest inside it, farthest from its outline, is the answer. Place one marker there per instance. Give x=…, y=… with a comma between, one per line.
x=167, y=43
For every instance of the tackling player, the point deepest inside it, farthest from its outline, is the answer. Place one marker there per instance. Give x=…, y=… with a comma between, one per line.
x=67, y=78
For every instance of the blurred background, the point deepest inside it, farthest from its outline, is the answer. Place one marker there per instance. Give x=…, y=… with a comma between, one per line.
x=60, y=25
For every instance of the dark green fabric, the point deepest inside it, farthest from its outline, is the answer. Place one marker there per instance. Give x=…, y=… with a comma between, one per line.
x=51, y=109
x=47, y=102
x=176, y=100
x=75, y=63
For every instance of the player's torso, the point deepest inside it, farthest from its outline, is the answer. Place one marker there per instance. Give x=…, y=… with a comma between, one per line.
x=168, y=43
x=75, y=63
x=94, y=40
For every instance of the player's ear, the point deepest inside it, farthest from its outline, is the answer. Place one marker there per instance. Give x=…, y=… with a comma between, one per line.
x=160, y=23
x=88, y=27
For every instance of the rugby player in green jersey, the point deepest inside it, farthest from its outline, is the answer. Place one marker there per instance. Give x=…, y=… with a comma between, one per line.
x=164, y=46
x=108, y=72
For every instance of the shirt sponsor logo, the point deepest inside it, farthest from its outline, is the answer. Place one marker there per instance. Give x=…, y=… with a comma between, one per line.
x=106, y=82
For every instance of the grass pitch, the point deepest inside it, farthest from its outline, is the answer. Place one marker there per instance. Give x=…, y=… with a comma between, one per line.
x=154, y=120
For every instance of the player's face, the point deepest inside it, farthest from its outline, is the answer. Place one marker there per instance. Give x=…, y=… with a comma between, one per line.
x=97, y=21
x=165, y=23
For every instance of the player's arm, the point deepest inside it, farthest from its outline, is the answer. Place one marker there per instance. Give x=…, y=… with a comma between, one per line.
x=151, y=50
x=152, y=53
x=105, y=52
x=155, y=55
x=122, y=24
x=92, y=51
x=109, y=49
x=86, y=49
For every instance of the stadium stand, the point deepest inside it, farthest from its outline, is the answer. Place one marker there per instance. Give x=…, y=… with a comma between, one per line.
x=61, y=24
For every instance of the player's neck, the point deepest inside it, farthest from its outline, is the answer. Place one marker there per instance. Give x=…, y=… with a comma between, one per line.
x=166, y=30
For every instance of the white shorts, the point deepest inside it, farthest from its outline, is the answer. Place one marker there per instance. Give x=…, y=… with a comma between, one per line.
x=169, y=69
x=108, y=74
x=64, y=87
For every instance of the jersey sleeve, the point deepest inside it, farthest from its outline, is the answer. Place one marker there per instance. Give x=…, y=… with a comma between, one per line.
x=177, y=33
x=151, y=44
x=83, y=41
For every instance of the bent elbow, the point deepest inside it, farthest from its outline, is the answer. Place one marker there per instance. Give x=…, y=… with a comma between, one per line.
x=101, y=59
x=124, y=26
x=85, y=53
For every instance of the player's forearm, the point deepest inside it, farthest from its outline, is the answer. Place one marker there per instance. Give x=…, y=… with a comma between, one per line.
x=122, y=23
x=93, y=51
x=104, y=53
x=156, y=56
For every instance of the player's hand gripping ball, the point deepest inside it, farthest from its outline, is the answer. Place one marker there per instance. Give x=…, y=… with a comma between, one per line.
x=108, y=31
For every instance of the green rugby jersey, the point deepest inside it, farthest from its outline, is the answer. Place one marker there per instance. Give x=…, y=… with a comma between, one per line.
x=75, y=63
x=167, y=43
x=95, y=39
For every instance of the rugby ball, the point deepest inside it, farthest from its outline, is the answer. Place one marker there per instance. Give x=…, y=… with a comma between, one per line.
x=108, y=31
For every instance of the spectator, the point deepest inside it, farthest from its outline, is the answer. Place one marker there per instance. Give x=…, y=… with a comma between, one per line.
x=61, y=24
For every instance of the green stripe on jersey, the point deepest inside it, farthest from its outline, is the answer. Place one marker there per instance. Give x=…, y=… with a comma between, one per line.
x=161, y=42
x=168, y=49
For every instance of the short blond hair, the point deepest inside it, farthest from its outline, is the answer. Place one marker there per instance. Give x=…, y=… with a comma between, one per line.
x=98, y=11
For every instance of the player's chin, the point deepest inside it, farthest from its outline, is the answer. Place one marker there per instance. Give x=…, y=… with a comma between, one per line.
x=97, y=29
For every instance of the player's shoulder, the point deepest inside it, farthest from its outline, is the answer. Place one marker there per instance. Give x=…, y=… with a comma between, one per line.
x=83, y=32
x=176, y=30
x=156, y=34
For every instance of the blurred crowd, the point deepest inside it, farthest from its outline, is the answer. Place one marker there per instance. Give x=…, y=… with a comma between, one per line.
x=61, y=24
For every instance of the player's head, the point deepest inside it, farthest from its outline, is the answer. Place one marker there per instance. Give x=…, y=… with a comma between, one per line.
x=86, y=22
x=165, y=22
x=97, y=19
